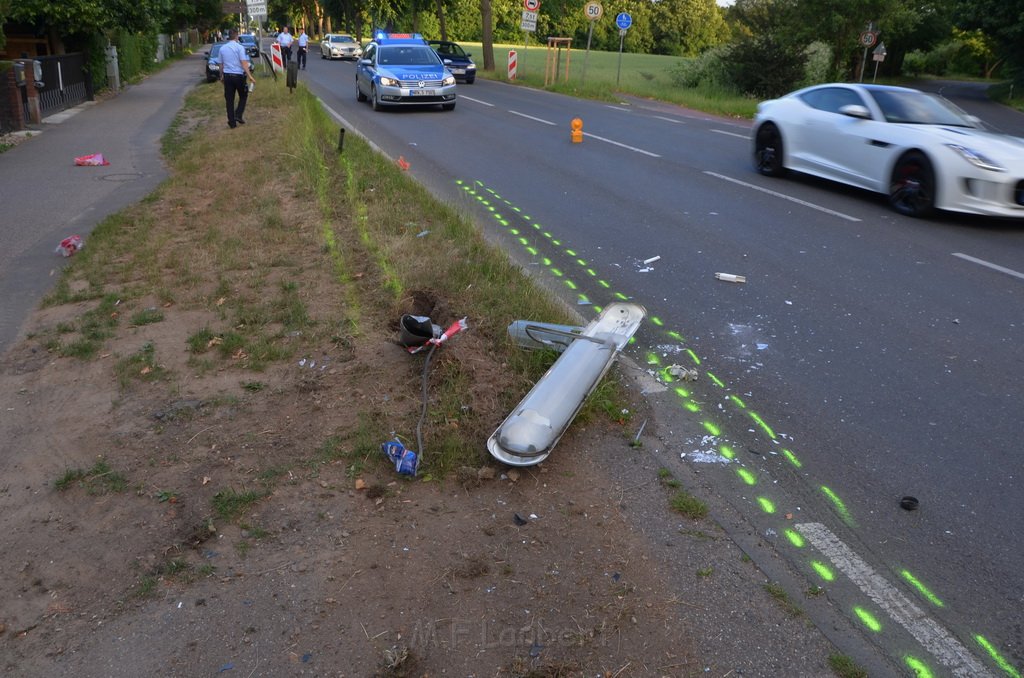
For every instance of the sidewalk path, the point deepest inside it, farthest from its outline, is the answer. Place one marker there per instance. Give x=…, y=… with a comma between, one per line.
x=45, y=197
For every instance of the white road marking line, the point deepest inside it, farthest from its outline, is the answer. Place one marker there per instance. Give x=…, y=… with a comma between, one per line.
x=478, y=101
x=678, y=122
x=616, y=143
x=619, y=108
x=989, y=264
x=933, y=637
x=731, y=134
x=783, y=196
x=530, y=117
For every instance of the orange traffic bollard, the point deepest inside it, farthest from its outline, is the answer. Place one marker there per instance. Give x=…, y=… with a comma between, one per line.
x=577, y=130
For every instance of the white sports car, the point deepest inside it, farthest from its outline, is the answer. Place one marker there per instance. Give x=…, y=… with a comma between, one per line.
x=919, y=149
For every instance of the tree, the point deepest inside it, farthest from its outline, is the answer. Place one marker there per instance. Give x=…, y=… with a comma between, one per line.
x=687, y=27
x=1003, y=20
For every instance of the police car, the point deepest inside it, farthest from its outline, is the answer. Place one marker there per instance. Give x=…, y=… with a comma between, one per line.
x=400, y=69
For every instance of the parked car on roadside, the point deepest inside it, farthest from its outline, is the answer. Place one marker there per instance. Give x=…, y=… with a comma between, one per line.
x=252, y=47
x=211, y=63
x=340, y=46
x=456, y=59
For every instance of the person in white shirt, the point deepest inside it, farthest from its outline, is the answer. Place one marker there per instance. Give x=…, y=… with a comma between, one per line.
x=285, y=39
x=235, y=70
x=303, y=41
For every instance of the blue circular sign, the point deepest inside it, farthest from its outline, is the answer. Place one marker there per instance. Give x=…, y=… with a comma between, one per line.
x=623, y=20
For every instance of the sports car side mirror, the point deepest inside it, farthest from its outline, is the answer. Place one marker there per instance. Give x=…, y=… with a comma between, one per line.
x=855, y=111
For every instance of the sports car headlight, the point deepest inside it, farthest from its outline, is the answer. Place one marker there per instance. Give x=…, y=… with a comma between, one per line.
x=977, y=159
x=388, y=82
x=450, y=80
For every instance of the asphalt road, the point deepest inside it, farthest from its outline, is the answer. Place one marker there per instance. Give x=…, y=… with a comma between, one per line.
x=867, y=356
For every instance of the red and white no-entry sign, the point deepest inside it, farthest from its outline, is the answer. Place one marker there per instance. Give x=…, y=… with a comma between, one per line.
x=512, y=64
x=531, y=5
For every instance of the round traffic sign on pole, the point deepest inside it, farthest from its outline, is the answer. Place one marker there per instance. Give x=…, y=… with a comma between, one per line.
x=623, y=20
x=531, y=5
x=593, y=10
x=868, y=38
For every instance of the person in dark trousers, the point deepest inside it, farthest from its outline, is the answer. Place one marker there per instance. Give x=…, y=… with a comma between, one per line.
x=235, y=71
x=303, y=42
x=285, y=39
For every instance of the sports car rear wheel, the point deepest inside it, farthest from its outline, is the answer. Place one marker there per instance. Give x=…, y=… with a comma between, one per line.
x=768, y=151
x=912, y=188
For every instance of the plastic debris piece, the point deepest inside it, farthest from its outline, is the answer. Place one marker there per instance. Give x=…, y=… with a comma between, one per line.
x=406, y=461
x=909, y=503
x=422, y=233
x=519, y=520
x=306, y=657
x=652, y=260
x=226, y=667
x=403, y=163
x=70, y=245
x=731, y=277
x=91, y=160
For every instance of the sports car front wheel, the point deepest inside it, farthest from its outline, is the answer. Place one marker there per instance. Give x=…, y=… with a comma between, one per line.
x=768, y=151
x=912, y=188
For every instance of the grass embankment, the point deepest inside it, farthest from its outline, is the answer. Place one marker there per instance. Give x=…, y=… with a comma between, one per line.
x=600, y=75
x=267, y=245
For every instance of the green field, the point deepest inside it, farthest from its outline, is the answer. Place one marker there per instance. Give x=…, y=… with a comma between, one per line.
x=601, y=75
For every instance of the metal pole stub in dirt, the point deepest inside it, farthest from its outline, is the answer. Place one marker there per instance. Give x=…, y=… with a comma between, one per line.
x=341, y=139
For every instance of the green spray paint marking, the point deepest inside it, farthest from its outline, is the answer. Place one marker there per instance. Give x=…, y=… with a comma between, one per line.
x=675, y=335
x=718, y=382
x=514, y=231
x=570, y=252
x=792, y=458
x=767, y=505
x=711, y=428
x=692, y=406
x=621, y=296
x=838, y=503
x=603, y=284
x=726, y=452
x=869, y=620
x=919, y=668
x=592, y=273
x=571, y=285
x=1006, y=666
x=922, y=589
x=583, y=299
x=693, y=356
x=760, y=422
x=557, y=272
x=532, y=250
x=681, y=392
x=652, y=358
x=795, y=538
x=656, y=320
x=746, y=476
x=739, y=403
x=823, y=570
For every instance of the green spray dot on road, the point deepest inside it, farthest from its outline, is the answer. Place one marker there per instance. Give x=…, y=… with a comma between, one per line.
x=823, y=570
x=919, y=668
x=869, y=620
x=922, y=589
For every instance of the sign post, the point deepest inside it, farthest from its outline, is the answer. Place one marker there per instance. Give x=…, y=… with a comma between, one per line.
x=878, y=54
x=867, y=40
x=528, y=25
x=593, y=11
x=623, y=21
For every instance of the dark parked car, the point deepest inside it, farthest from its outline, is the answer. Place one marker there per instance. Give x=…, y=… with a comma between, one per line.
x=456, y=59
x=252, y=47
x=211, y=63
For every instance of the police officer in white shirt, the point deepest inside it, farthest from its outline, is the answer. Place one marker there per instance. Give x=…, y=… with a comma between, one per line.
x=235, y=70
x=303, y=41
x=285, y=39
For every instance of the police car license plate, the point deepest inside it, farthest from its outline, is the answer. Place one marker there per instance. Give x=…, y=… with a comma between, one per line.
x=421, y=92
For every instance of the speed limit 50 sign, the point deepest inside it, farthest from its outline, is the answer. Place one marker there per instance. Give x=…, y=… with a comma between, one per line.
x=593, y=10
x=868, y=38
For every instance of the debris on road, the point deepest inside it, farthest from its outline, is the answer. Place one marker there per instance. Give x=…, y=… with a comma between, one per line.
x=91, y=160
x=70, y=245
x=731, y=277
